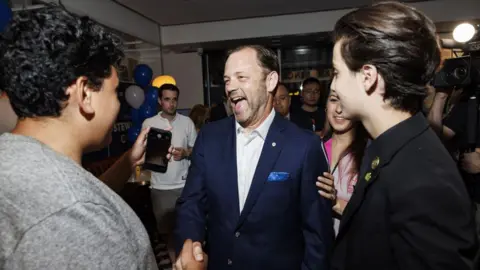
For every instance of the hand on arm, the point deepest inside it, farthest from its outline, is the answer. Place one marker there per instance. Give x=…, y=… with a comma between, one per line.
x=326, y=183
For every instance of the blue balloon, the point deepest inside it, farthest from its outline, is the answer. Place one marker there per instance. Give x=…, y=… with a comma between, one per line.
x=147, y=111
x=136, y=117
x=143, y=75
x=133, y=133
x=151, y=96
x=5, y=15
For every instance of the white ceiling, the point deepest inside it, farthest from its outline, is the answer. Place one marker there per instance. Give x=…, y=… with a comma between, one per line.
x=174, y=12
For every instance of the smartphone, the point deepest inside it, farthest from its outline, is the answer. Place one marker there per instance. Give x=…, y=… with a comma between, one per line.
x=158, y=142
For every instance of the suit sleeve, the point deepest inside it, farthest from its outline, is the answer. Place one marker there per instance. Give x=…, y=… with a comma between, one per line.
x=316, y=211
x=191, y=206
x=432, y=224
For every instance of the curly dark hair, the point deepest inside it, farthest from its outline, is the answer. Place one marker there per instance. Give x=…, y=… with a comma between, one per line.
x=45, y=51
x=399, y=41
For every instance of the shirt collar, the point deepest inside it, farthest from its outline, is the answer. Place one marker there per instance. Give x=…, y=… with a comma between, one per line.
x=391, y=141
x=173, y=120
x=263, y=128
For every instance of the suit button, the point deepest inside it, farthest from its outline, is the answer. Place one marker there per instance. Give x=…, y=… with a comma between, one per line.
x=237, y=234
x=229, y=262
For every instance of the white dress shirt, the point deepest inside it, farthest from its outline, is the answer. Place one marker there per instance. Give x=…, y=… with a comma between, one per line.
x=249, y=148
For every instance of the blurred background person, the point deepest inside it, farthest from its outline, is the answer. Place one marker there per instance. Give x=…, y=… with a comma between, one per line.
x=221, y=111
x=199, y=115
x=282, y=101
x=311, y=115
x=167, y=187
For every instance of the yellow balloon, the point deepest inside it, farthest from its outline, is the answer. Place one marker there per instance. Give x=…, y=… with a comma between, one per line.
x=164, y=79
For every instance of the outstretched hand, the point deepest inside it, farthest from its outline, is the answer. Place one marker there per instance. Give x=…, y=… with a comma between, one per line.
x=191, y=257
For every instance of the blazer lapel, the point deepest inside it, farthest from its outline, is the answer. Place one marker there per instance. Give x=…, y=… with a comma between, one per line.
x=271, y=150
x=231, y=176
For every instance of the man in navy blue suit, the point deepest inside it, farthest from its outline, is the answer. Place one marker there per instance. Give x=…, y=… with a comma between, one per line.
x=250, y=194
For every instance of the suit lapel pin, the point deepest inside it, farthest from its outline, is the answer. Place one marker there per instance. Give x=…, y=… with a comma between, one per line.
x=375, y=163
x=274, y=144
x=368, y=176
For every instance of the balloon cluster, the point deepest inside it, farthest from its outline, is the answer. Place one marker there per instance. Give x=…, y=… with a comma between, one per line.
x=143, y=97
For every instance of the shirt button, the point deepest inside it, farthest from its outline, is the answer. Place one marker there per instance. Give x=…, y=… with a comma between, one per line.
x=229, y=262
x=237, y=234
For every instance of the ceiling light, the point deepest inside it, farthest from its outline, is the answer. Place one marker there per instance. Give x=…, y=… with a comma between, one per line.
x=463, y=32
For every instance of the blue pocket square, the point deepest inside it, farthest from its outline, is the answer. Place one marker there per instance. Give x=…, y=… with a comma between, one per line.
x=278, y=176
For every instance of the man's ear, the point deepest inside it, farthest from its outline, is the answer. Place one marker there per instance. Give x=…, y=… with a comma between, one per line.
x=370, y=78
x=271, y=81
x=83, y=94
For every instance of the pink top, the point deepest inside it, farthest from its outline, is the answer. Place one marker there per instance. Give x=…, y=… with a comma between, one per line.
x=344, y=180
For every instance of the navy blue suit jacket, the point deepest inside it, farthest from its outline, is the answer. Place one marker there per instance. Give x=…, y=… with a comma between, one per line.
x=284, y=224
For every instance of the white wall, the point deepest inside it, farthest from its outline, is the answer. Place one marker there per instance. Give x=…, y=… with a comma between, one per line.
x=186, y=68
x=439, y=10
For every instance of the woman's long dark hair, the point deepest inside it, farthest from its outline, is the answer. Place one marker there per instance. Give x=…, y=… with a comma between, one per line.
x=356, y=147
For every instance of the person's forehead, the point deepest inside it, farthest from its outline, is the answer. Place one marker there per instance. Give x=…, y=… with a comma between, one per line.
x=170, y=93
x=282, y=90
x=312, y=85
x=242, y=60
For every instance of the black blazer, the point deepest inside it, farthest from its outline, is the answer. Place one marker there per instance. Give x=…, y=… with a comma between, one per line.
x=410, y=208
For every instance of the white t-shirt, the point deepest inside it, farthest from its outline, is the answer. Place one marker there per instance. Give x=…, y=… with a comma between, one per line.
x=183, y=135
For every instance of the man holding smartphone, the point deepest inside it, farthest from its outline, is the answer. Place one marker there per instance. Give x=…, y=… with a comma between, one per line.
x=58, y=71
x=167, y=187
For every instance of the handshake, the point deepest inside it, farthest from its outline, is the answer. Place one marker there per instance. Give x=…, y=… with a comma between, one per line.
x=191, y=257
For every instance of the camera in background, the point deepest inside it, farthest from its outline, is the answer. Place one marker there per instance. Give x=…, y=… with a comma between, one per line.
x=461, y=72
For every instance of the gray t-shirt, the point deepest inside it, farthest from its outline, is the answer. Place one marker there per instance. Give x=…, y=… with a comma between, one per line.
x=56, y=215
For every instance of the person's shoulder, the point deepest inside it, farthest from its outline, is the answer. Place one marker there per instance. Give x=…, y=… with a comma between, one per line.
x=97, y=228
x=293, y=130
x=423, y=162
x=152, y=119
x=300, y=137
x=185, y=120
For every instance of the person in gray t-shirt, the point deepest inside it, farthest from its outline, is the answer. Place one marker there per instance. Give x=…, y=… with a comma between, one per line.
x=58, y=73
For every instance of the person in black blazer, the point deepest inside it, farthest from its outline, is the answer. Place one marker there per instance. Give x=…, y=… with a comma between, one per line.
x=410, y=208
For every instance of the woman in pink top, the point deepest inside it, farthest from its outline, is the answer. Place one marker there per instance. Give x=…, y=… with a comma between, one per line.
x=345, y=150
